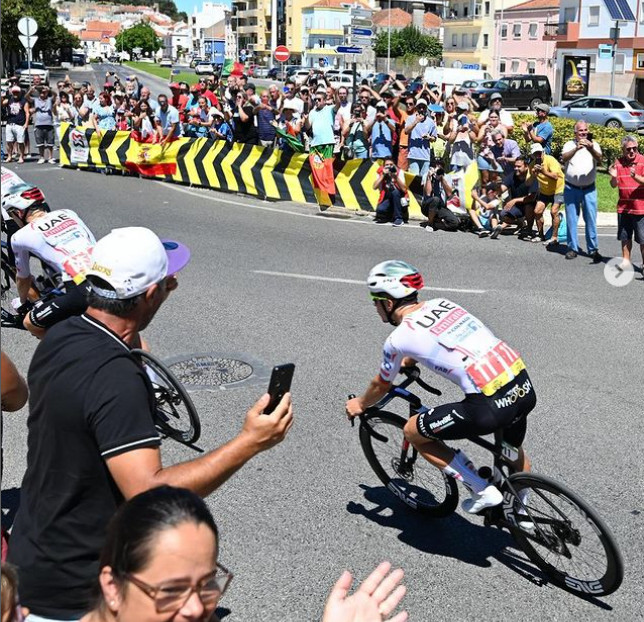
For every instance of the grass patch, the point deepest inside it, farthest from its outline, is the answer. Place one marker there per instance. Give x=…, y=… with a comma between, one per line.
x=163, y=72
x=606, y=195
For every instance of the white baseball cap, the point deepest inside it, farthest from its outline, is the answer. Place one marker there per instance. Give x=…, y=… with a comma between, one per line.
x=132, y=259
x=536, y=148
x=421, y=102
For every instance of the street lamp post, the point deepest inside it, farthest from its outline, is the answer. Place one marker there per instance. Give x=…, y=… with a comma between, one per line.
x=389, y=40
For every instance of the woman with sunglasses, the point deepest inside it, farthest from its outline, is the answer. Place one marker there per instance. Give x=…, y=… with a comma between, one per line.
x=356, y=144
x=243, y=118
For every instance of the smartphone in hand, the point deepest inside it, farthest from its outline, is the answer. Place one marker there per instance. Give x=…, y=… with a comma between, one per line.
x=279, y=385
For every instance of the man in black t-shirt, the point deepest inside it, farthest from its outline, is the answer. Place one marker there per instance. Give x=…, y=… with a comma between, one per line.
x=92, y=441
x=17, y=122
x=522, y=190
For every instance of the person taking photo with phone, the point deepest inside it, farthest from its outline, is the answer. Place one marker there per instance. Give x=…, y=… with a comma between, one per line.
x=550, y=177
x=92, y=442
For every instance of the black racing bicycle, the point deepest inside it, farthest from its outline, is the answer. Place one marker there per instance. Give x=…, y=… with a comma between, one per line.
x=561, y=533
x=175, y=414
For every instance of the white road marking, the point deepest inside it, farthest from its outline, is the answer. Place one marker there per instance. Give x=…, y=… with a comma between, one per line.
x=312, y=277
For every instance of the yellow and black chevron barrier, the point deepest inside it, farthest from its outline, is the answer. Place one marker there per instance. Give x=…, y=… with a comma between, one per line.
x=247, y=169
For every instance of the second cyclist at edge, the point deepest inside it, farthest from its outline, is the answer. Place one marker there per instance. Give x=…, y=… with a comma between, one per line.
x=444, y=337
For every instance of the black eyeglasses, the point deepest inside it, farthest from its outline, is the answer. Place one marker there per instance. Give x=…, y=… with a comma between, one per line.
x=172, y=596
x=630, y=148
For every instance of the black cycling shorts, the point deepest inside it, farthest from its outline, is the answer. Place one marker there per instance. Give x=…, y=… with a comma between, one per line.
x=46, y=313
x=480, y=414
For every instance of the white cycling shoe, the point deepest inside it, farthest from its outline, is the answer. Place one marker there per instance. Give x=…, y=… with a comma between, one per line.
x=487, y=498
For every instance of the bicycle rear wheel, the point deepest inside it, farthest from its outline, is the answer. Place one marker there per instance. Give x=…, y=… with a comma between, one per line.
x=175, y=414
x=564, y=536
x=402, y=470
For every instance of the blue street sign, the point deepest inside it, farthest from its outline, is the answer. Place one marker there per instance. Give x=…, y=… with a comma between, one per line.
x=346, y=49
x=472, y=66
x=362, y=32
x=176, y=72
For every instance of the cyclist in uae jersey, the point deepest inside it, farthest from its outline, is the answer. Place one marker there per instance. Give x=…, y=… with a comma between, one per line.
x=444, y=337
x=62, y=241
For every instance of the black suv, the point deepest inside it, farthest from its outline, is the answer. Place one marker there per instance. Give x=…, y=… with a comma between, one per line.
x=521, y=91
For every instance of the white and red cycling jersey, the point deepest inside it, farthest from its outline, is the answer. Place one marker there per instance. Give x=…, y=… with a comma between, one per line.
x=449, y=340
x=61, y=239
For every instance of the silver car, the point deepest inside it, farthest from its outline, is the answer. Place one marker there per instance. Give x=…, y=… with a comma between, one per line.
x=615, y=112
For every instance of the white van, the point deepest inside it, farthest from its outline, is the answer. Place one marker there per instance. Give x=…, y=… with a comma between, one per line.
x=448, y=78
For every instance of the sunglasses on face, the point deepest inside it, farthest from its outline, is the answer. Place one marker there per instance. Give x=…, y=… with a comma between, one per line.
x=629, y=149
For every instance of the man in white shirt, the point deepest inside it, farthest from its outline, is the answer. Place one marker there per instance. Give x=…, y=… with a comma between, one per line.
x=581, y=157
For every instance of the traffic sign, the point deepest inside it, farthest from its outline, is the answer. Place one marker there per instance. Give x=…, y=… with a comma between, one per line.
x=27, y=42
x=281, y=54
x=358, y=12
x=28, y=26
x=605, y=50
x=363, y=41
x=361, y=32
x=348, y=49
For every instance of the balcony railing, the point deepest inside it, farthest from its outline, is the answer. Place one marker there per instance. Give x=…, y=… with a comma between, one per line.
x=555, y=30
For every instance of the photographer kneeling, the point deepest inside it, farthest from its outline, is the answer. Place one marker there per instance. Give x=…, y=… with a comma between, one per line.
x=393, y=190
x=438, y=194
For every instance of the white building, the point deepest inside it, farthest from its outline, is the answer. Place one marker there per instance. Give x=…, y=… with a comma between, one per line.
x=200, y=21
x=177, y=40
x=585, y=25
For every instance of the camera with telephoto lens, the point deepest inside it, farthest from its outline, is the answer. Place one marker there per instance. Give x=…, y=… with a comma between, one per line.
x=440, y=172
x=389, y=170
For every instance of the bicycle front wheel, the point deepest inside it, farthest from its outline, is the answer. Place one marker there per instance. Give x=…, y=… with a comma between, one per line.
x=175, y=414
x=403, y=470
x=564, y=536
x=10, y=319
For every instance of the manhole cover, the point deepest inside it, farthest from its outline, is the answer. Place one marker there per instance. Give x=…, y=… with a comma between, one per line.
x=208, y=371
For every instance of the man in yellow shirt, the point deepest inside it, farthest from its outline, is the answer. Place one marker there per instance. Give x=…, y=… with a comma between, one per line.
x=550, y=176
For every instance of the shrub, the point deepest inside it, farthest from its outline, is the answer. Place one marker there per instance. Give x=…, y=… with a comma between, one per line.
x=610, y=140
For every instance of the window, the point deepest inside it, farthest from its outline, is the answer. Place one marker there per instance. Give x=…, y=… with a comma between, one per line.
x=516, y=31
x=475, y=39
x=487, y=8
x=640, y=61
x=515, y=84
x=514, y=67
x=532, y=69
x=464, y=41
x=504, y=31
x=542, y=83
x=477, y=10
x=570, y=14
x=454, y=41
x=532, y=30
x=502, y=67
x=580, y=103
x=486, y=40
x=466, y=10
x=619, y=63
x=593, y=16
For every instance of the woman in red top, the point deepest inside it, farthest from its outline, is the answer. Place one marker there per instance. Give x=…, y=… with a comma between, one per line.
x=627, y=175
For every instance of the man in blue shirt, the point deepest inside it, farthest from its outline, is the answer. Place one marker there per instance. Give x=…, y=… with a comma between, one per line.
x=381, y=129
x=542, y=131
x=320, y=120
x=168, y=120
x=422, y=132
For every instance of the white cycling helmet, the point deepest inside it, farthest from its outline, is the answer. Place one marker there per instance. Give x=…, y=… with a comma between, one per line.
x=22, y=201
x=397, y=279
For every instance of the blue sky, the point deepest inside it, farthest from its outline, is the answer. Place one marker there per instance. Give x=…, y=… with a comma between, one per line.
x=189, y=5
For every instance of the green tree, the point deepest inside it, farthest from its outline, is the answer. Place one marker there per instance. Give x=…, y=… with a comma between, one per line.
x=51, y=35
x=139, y=36
x=408, y=41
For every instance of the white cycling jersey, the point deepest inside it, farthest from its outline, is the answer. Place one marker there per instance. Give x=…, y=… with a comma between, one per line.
x=61, y=239
x=452, y=342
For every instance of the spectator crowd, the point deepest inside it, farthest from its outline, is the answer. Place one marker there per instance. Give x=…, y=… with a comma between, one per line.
x=412, y=127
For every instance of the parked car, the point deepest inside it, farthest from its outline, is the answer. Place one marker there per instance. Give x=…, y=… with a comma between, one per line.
x=519, y=91
x=195, y=60
x=276, y=73
x=341, y=80
x=165, y=62
x=615, y=112
x=25, y=75
x=78, y=59
x=204, y=68
x=302, y=74
x=472, y=85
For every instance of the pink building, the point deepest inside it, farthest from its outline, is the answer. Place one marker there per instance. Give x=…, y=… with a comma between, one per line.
x=520, y=47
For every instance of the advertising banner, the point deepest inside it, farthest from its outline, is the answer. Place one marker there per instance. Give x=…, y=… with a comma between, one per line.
x=575, y=77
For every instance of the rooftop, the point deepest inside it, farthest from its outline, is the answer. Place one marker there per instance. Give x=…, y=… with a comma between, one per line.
x=399, y=18
x=532, y=5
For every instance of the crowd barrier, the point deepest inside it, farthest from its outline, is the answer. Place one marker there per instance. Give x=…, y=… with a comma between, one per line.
x=249, y=169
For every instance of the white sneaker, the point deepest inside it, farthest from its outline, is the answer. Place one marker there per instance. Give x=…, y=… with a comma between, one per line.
x=52, y=160
x=41, y=161
x=488, y=498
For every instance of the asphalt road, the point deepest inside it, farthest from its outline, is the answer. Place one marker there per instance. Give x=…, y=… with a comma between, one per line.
x=294, y=517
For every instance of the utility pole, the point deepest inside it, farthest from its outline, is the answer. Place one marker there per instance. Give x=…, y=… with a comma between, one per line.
x=389, y=41
x=274, y=21
x=615, y=40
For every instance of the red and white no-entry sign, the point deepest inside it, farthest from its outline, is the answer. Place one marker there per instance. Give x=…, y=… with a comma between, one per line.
x=281, y=54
